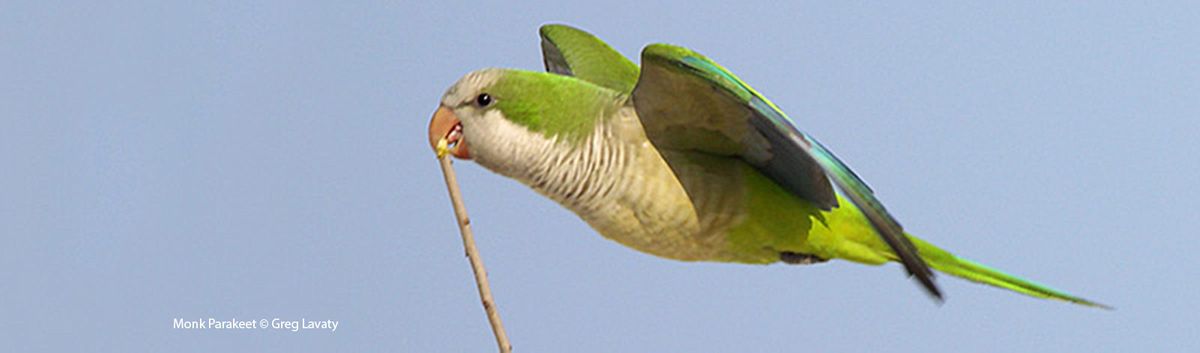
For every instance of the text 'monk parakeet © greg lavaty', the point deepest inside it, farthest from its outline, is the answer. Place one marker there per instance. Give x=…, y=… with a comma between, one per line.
x=681, y=159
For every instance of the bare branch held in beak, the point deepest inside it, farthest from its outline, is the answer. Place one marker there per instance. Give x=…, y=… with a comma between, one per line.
x=442, y=148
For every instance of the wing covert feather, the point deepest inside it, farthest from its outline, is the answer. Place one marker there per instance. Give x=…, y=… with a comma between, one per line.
x=572, y=52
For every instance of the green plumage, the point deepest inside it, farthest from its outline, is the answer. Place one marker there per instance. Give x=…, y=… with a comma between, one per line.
x=565, y=107
x=590, y=58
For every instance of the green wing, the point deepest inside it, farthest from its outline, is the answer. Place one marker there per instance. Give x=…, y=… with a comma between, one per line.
x=572, y=52
x=688, y=102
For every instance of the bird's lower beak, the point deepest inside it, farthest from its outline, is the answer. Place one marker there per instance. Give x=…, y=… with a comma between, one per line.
x=445, y=128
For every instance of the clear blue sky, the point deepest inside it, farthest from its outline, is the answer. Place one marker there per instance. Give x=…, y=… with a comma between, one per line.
x=237, y=160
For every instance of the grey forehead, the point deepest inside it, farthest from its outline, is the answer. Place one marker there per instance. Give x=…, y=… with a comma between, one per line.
x=467, y=87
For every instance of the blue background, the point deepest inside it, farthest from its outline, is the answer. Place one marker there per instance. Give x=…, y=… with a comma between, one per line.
x=269, y=159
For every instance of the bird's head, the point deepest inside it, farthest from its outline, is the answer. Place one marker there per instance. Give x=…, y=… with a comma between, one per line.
x=467, y=102
x=503, y=117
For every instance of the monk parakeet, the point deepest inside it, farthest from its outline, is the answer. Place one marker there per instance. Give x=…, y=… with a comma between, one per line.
x=681, y=159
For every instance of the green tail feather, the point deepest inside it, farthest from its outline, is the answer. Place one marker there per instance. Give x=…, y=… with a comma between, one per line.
x=946, y=262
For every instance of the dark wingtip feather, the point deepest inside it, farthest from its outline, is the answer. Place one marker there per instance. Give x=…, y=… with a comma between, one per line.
x=872, y=209
x=926, y=281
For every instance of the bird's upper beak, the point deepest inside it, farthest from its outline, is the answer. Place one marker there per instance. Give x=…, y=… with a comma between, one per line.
x=446, y=126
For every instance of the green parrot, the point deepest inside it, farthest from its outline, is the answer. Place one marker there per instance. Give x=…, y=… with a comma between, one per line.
x=681, y=159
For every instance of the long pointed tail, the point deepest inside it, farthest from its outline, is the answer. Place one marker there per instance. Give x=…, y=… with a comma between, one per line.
x=946, y=262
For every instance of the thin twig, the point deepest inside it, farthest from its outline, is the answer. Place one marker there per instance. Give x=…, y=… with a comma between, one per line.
x=464, y=227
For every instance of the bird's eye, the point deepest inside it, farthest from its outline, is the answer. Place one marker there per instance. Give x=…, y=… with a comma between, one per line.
x=483, y=100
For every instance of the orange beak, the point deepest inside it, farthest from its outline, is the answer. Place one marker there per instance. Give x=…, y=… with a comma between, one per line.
x=446, y=126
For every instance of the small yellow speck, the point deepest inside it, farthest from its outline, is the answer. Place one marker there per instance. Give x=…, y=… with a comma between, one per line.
x=442, y=148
